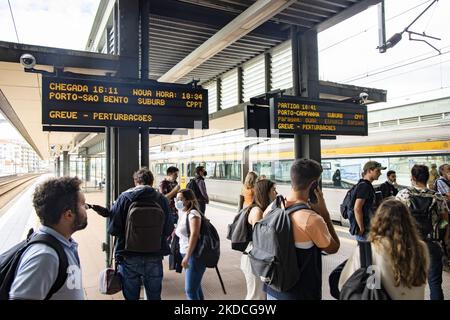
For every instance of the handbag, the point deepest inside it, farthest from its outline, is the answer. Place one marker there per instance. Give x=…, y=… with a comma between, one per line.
x=110, y=281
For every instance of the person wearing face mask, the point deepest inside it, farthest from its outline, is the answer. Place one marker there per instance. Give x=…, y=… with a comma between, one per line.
x=61, y=208
x=189, y=212
x=200, y=192
x=264, y=193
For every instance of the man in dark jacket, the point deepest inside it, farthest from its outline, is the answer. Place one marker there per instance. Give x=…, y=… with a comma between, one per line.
x=389, y=187
x=202, y=198
x=134, y=266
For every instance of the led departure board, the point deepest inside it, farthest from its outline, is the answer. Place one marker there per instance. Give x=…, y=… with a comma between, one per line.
x=296, y=115
x=116, y=103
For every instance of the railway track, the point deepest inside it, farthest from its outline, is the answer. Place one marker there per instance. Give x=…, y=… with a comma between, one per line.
x=12, y=182
x=10, y=186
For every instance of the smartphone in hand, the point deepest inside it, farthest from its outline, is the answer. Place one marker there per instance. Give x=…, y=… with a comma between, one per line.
x=312, y=195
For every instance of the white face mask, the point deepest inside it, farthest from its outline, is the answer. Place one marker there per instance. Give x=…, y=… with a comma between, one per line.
x=179, y=205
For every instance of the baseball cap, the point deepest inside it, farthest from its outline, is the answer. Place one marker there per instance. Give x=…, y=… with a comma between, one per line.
x=373, y=165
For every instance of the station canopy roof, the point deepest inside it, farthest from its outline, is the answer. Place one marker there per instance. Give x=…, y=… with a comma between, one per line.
x=179, y=31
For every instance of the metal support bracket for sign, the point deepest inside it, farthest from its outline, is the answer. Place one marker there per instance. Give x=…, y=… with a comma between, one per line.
x=263, y=99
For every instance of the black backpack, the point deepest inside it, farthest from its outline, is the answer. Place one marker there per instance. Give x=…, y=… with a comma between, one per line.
x=422, y=210
x=240, y=231
x=9, y=262
x=357, y=286
x=347, y=207
x=273, y=256
x=192, y=184
x=144, y=226
x=207, y=249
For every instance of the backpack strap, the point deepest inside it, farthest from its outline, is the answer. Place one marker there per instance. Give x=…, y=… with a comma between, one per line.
x=296, y=207
x=188, y=228
x=54, y=243
x=365, y=253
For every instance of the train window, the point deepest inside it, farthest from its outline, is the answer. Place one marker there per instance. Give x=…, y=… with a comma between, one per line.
x=264, y=168
x=210, y=169
x=191, y=169
x=283, y=170
x=230, y=170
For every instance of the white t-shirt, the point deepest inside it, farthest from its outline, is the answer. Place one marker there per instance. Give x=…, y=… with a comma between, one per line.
x=181, y=230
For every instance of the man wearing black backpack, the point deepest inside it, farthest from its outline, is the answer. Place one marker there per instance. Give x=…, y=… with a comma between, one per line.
x=141, y=221
x=312, y=232
x=431, y=214
x=198, y=185
x=49, y=266
x=365, y=206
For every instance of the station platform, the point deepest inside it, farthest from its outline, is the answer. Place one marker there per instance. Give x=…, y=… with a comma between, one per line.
x=17, y=217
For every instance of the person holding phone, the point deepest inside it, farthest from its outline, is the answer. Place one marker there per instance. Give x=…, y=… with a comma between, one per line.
x=313, y=232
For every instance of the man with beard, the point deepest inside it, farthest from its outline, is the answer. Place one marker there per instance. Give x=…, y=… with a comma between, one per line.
x=61, y=208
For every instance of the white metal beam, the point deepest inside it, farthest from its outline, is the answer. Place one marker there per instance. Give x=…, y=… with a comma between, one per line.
x=254, y=16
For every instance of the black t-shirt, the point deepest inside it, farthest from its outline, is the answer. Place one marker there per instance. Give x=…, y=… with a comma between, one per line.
x=365, y=190
x=388, y=190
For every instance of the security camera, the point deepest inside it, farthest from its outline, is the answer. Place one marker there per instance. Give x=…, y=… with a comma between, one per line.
x=363, y=96
x=28, y=61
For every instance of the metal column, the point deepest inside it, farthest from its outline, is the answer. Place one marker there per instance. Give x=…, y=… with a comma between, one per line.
x=128, y=138
x=305, y=68
x=144, y=8
x=58, y=167
x=66, y=163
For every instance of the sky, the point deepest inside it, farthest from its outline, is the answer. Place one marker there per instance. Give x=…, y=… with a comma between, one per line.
x=347, y=52
x=396, y=70
x=52, y=23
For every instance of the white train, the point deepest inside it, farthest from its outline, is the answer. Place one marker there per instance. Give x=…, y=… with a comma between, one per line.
x=222, y=155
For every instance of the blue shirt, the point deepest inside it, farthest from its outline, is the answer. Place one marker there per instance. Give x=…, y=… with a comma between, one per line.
x=38, y=270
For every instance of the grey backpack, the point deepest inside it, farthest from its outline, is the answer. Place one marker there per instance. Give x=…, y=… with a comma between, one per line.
x=144, y=227
x=240, y=231
x=273, y=256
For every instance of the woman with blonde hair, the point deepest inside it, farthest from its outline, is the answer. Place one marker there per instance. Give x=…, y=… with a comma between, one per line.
x=265, y=193
x=399, y=255
x=247, y=191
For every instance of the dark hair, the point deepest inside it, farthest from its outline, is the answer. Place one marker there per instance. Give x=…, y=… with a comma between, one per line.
x=262, y=189
x=442, y=168
x=54, y=197
x=303, y=171
x=420, y=173
x=199, y=169
x=390, y=172
x=171, y=170
x=143, y=176
x=189, y=196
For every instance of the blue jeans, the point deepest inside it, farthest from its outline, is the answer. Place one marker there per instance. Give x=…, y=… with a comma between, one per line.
x=136, y=270
x=269, y=297
x=193, y=279
x=435, y=271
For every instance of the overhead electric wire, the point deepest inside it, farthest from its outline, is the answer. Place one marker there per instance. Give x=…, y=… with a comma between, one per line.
x=373, y=26
x=409, y=71
x=14, y=22
x=368, y=74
